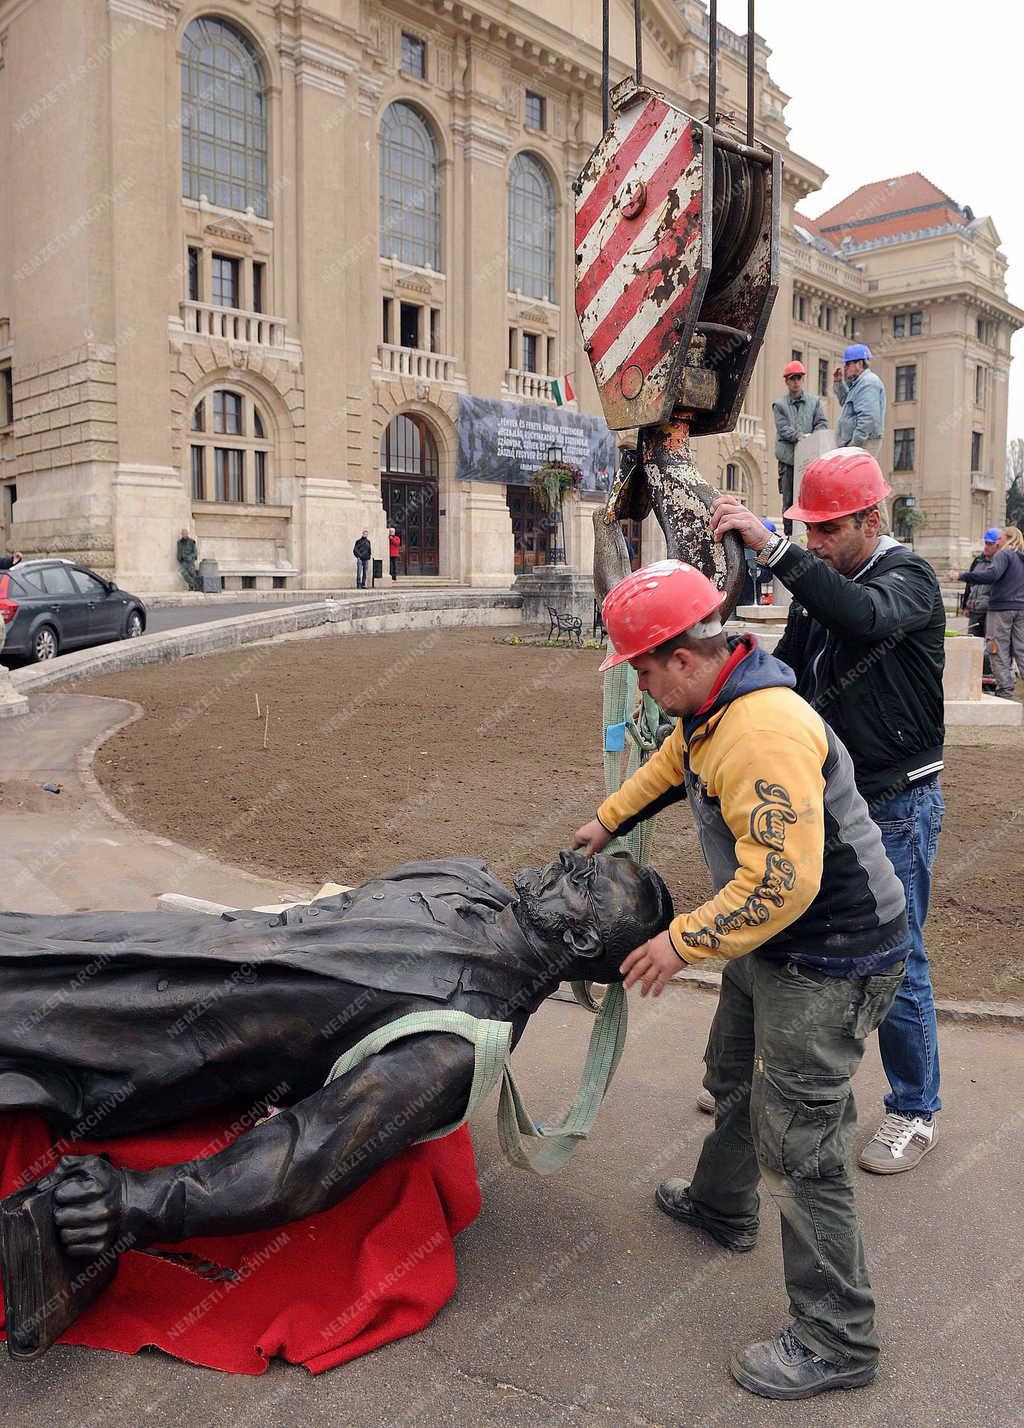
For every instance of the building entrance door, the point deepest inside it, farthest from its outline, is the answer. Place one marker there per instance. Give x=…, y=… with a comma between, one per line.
x=408, y=488
x=531, y=530
x=412, y=509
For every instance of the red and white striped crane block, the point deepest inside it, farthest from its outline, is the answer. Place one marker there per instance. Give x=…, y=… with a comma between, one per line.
x=643, y=255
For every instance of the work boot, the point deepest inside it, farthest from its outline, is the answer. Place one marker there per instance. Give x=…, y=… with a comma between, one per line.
x=783, y=1368
x=706, y=1102
x=673, y=1197
x=898, y=1144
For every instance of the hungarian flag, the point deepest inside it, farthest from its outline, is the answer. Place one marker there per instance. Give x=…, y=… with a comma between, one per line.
x=561, y=390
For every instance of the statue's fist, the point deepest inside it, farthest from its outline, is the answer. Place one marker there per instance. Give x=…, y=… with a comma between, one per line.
x=88, y=1197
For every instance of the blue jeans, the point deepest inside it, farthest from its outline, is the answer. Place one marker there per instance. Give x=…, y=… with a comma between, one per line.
x=362, y=570
x=910, y=824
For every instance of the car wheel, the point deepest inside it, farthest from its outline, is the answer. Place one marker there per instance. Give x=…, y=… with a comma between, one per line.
x=134, y=627
x=44, y=643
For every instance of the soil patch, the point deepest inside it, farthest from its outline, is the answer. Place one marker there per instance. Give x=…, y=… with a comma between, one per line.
x=383, y=748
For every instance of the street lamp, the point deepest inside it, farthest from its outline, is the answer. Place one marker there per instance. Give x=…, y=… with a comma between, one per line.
x=556, y=553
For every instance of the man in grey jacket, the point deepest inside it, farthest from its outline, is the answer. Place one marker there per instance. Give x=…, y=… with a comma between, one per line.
x=862, y=419
x=795, y=415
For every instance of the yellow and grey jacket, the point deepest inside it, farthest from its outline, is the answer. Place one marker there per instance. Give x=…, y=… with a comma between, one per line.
x=797, y=865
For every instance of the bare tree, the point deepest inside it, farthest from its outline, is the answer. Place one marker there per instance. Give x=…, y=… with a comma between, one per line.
x=1015, y=482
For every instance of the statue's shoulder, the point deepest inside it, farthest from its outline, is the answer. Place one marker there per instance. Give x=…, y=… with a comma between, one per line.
x=435, y=877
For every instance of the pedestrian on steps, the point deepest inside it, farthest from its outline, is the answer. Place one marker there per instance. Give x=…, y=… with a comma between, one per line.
x=362, y=552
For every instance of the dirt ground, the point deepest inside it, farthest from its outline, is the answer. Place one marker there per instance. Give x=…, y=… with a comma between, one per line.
x=389, y=747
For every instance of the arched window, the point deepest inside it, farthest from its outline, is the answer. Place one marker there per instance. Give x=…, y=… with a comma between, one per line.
x=531, y=229
x=223, y=117
x=230, y=450
x=410, y=210
x=737, y=482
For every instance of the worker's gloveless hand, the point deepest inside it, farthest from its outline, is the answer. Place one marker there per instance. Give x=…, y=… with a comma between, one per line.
x=652, y=964
x=592, y=837
x=729, y=514
x=837, y=375
x=952, y=575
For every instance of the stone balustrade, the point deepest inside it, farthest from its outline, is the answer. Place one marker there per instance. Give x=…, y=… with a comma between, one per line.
x=254, y=329
x=532, y=385
x=412, y=362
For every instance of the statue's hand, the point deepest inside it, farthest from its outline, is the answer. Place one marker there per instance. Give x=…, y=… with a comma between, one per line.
x=87, y=1204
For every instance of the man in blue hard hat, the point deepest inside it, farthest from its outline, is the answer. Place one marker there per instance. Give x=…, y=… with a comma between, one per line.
x=975, y=597
x=862, y=418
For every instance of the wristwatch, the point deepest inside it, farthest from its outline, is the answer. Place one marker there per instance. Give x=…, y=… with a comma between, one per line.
x=770, y=548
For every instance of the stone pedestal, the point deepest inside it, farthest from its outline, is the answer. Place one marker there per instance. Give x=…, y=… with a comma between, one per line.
x=561, y=586
x=11, y=702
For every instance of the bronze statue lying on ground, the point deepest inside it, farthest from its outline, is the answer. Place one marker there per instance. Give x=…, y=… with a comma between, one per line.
x=130, y=1021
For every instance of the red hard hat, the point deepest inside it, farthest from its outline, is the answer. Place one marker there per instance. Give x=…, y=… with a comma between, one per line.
x=653, y=604
x=837, y=484
x=794, y=369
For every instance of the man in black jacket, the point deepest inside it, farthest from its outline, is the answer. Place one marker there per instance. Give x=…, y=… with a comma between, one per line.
x=865, y=637
x=6, y=561
x=362, y=552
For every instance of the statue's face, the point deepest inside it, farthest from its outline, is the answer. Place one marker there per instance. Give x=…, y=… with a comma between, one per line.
x=602, y=906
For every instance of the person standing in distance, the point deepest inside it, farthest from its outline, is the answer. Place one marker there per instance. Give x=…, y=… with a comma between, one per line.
x=362, y=552
x=795, y=415
x=1004, y=621
x=862, y=418
x=866, y=639
x=394, y=550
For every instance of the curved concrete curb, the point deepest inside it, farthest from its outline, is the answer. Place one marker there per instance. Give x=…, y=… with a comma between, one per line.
x=978, y=1013
x=357, y=615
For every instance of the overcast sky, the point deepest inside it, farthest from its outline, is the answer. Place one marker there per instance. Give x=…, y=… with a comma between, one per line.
x=883, y=87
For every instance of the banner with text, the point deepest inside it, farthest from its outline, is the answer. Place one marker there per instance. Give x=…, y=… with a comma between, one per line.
x=506, y=442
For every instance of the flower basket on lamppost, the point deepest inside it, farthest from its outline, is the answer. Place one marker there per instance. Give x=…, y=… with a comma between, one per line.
x=551, y=482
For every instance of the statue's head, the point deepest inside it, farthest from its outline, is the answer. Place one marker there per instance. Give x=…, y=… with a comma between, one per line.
x=597, y=909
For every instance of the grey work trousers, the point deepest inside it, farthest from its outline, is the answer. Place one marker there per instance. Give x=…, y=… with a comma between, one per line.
x=1004, y=634
x=784, y=1044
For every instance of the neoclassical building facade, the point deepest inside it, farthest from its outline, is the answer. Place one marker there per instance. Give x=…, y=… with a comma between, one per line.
x=279, y=272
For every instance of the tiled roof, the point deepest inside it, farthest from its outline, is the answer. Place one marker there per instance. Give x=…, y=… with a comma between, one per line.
x=890, y=208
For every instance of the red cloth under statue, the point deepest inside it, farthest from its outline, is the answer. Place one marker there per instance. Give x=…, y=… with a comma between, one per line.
x=316, y=1292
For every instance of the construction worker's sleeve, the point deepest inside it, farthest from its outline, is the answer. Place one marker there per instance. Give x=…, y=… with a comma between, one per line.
x=867, y=413
x=770, y=786
x=991, y=574
x=784, y=428
x=818, y=420
x=841, y=390
x=883, y=606
x=654, y=785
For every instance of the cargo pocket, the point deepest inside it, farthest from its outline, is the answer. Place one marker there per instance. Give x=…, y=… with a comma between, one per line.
x=869, y=1010
x=797, y=1123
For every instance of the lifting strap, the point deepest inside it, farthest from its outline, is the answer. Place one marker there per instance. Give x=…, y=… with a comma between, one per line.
x=550, y=1146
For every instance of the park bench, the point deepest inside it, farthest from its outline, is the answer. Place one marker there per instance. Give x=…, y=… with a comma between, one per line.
x=562, y=623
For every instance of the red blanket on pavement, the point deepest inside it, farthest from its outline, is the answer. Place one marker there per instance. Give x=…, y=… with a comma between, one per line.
x=317, y=1292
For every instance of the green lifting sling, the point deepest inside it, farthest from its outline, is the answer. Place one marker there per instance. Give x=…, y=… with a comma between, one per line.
x=549, y=1146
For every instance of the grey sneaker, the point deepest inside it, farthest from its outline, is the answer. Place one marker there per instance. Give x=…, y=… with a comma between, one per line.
x=898, y=1144
x=706, y=1102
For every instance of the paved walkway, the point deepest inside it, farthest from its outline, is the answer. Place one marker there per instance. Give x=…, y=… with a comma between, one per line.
x=578, y=1303
x=71, y=851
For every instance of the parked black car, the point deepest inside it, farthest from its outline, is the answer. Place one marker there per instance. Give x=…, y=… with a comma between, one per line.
x=51, y=606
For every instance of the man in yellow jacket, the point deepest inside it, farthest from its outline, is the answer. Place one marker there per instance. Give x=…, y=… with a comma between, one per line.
x=811, y=920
